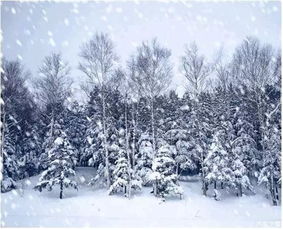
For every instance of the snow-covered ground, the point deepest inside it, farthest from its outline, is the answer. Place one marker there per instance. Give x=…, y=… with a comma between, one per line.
x=94, y=208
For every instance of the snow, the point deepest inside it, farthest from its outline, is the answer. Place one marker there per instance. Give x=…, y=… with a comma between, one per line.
x=18, y=42
x=59, y=141
x=88, y=207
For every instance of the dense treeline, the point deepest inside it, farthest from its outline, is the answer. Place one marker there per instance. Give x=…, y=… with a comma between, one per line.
x=136, y=132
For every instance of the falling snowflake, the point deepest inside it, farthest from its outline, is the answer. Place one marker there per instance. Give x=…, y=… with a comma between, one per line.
x=18, y=42
x=52, y=42
x=66, y=22
x=13, y=10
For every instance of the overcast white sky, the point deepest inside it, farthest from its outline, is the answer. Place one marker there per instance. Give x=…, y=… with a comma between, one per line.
x=33, y=30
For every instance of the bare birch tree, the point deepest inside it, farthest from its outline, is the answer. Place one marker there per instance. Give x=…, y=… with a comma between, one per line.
x=252, y=66
x=52, y=88
x=151, y=74
x=196, y=70
x=98, y=60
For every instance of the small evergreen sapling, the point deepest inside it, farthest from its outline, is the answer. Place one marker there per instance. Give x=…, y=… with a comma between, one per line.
x=60, y=166
x=124, y=179
x=217, y=165
x=144, y=158
x=163, y=177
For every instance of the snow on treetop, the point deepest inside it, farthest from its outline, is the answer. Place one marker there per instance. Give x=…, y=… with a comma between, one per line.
x=59, y=141
x=164, y=150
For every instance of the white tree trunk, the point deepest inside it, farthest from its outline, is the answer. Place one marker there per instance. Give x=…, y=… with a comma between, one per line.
x=127, y=149
x=134, y=137
x=52, y=123
x=3, y=135
x=152, y=127
x=105, y=145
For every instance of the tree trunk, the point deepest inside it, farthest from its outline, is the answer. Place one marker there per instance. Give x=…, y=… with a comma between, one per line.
x=204, y=188
x=3, y=132
x=125, y=190
x=61, y=189
x=215, y=185
x=240, y=190
x=276, y=193
x=127, y=149
x=52, y=122
x=152, y=126
x=134, y=136
x=272, y=192
x=155, y=188
x=105, y=141
x=177, y=169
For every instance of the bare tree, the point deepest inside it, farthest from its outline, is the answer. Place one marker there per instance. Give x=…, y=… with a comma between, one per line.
x=151, y=74
x=222, y=71
x=195, y=69
x=252, y=63
x=98, y=60
x=252, y=66
x=52, y=88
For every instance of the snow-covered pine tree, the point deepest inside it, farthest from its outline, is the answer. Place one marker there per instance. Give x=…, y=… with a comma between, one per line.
x=198, y=120
x=18, y=112
x=49, y=138
x=245, y=143
x=240, y=172
x=92, y=143
x=95, y=137
x=163, y=177
x=10, y=172
x=217, y=168
x=61, y=162
x=31, y=148
x=176, y=133
x=124, y=178
x=144, y=158
x=270, y=174
x=75, y=126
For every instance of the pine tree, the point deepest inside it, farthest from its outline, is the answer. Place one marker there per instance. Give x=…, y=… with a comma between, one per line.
x=31, y=147
x=75, y=126
x=244, y=143
x=217, y=168
x=144, y=159
x=124, y=178
x=61, y=162
x=92, y=154
x=270, y=174
x=10, y=164
x=163, y=177
x=18, y=115
x=240, y=172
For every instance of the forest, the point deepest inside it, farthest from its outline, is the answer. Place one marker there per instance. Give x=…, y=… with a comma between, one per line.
x=136, y=131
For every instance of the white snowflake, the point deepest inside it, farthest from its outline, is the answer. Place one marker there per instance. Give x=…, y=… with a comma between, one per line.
x=52, y=42
x=66, y=22
x=13, y=10
x=18, y=42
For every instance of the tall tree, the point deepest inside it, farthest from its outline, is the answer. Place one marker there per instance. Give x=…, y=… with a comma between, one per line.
x=18, y=115
x=52, y=89
x=196, y=70
x=151, y=74
x=252, y=67
x=97, y=63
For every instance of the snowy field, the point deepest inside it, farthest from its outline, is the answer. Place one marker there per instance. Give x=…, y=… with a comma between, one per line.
x=94, y=208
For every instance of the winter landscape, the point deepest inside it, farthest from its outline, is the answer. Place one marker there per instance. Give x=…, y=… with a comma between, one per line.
x=141, y=114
